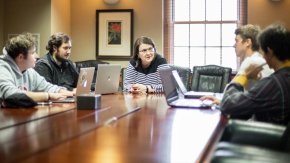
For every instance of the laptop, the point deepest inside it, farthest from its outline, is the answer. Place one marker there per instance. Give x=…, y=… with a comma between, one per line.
x=107, y=79
x=83, y=86
x=188, y=94
x=173, y=97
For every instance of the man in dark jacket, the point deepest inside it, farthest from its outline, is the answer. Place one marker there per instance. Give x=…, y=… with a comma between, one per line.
x=55, y=66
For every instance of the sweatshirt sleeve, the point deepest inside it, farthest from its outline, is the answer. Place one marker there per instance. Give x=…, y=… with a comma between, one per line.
x=8, y=85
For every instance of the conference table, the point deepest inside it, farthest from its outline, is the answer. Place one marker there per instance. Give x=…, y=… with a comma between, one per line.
x=126, y=128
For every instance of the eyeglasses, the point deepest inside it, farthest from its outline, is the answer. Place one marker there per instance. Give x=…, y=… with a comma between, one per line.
x=151, y=49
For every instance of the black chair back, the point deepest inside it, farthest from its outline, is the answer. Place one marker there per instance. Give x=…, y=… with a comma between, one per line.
x=210, y=78
x=123, y=77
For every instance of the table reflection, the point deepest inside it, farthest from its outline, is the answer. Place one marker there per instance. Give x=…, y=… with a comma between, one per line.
x=186, y=143
x=155, y=133
x=10, y=117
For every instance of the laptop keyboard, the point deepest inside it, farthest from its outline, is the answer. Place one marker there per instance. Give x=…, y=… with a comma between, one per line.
x=188, y=102
x=191, y=103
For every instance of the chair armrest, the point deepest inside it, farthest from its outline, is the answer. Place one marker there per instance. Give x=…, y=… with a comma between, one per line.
x=229, y=152
x=254, y=133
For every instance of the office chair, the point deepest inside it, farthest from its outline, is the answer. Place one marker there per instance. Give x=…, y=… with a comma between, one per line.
x=184, y=73
x=248, y=141
x=210, y=78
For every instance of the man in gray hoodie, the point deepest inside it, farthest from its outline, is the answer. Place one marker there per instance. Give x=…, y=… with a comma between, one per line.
x=18, y=76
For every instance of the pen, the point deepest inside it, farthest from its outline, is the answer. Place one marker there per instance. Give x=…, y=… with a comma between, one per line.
x=115, y=118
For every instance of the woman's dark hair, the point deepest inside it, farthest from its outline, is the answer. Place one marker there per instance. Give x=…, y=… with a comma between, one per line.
x=277, y=38
x=56, y=40
x=20, y=45
x=138, y=42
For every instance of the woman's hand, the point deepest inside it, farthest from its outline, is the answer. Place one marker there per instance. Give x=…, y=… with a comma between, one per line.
x=138, y=88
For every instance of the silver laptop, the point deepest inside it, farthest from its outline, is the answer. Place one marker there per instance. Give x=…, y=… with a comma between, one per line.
x=183, y=90
x=85, y=80
x=107, y=79
x=172, y=95
x=83, y=86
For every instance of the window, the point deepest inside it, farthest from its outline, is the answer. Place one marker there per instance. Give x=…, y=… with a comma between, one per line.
x=202, y=31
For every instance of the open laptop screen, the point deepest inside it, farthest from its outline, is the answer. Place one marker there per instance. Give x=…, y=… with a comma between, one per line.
x=172, y=94
x=85, y=80
x=169, y=85
x=83, y=86
x=188, y=94
x=107, y=79
x=179, y=81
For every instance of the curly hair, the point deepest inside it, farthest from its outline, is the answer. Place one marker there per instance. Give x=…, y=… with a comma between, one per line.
x=56, y=40
x=20, y=44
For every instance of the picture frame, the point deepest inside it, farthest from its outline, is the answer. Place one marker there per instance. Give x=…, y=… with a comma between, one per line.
x=37, y=40
x=114, y=34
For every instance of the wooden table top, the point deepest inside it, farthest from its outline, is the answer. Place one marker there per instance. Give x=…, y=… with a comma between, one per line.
x=153, y=132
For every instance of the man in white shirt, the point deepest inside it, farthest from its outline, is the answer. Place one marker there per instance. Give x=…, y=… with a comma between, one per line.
x=247, y=50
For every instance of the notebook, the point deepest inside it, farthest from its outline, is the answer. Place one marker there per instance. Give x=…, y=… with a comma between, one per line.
x=172, y=95
x=83, y=86
x=188, y=94
x=107, y=79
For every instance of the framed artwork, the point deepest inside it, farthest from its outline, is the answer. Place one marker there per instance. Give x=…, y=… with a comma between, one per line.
x=114, y=34
x=37, y=40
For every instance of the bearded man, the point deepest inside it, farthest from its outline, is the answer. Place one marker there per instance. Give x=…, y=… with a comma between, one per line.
x=55, y=66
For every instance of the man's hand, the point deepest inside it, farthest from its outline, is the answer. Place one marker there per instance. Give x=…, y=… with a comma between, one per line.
x=212, y=98
x=56, y=96
x=254, y=71
x=66, y=92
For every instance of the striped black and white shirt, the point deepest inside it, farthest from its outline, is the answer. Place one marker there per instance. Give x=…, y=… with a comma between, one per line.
x=146, y=76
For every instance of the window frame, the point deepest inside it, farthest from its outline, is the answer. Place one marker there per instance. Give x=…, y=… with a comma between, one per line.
x=168, y=36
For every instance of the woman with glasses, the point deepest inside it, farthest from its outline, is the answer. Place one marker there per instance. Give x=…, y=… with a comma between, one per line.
x=142, y=74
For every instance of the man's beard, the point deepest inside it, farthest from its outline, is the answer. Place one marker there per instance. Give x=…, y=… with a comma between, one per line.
x=60, y=59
